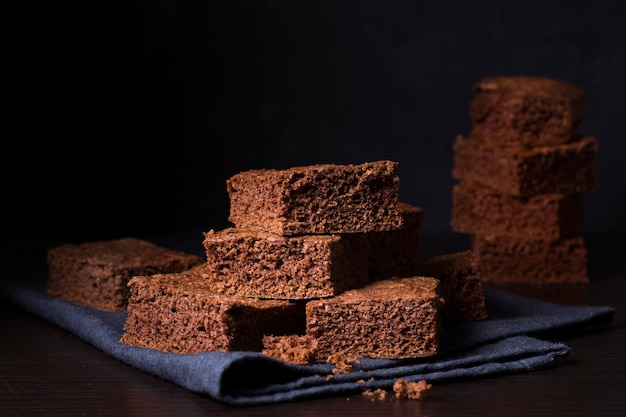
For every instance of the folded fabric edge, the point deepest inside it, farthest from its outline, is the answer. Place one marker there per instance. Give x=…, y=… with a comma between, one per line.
x=217, y=374
x=512, y=355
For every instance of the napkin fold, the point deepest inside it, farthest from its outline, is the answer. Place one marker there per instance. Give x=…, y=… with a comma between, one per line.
x=508, y=341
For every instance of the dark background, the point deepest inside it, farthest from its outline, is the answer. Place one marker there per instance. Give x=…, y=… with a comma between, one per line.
x=131, y=118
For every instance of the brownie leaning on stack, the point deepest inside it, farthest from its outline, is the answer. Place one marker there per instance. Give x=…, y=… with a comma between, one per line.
x=522, y=174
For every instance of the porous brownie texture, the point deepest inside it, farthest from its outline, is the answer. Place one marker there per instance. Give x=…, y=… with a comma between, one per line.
x=514, y=259
x=181, y=313
x=96, y=274
x=266, y=265
x=481, y=209
x=528, y=111
x=298, y=349
x=395, y=318
x=396, y=252
x=561, y=169
x=317, y=199
x=459, y=274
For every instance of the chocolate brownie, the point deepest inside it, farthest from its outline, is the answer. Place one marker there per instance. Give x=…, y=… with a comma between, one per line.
x=461, y=285
x=267, y=265
x=96, y=274
x=562, y=169
x=181, y=313
x=529, y=111
x=395, y=318
x=530, y=260
x=480, y=209
x=317, y=199
x=396, y=252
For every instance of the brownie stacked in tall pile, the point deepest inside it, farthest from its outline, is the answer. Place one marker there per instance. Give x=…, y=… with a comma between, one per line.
x=522, y=174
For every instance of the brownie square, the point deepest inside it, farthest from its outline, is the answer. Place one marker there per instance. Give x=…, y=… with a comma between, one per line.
x=460, y=275
x=317, y=199
x=530, y=260
x=266, y=265
x=96, y=274
x=480, y=209
x=528, y=111
x=396, y=318
x=518, y=171
x=181, y=313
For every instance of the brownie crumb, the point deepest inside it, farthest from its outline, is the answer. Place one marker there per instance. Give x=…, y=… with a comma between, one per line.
x=415, y=390
x=377, y=394
x=343, y=363
x=297, y=349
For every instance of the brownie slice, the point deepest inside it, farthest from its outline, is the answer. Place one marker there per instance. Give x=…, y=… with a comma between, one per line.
x=181, y=313
x=267, y=265
x=480, y=209
x=317, y=199
x=529, y=111
x=96, y=274
x=396, y=252
x=395, y=318
x=506, y=259
x=562, y=169
x=461, y=286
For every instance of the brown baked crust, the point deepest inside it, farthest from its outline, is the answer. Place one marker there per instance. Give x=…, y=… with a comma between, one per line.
x=96, y=274
x=562, y=169
x=480, y=209
x=514, y=259
x=396, y=252
x=395, y=318
x=181, y=313
x=461, y=284
x=317, y=199
x=528, y=111
x=266, y=265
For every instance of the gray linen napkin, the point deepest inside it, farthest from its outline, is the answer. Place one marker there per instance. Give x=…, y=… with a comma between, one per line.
x=504, y=343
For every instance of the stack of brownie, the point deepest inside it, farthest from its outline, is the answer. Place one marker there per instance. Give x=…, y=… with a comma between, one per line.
x=304, y=234
x=522, y=174
x=322, y=261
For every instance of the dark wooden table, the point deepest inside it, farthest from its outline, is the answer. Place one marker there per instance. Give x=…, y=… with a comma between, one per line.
x=44, y=371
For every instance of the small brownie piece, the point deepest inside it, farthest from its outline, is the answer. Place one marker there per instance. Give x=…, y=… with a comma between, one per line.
x=317, y=199
x=266, y=265
x=562, y=169
x=298, y=349
x=396, y=252
x=395, y=318
x=461, y=285
x=528, y=111
x=96, y=274
x=480, y=209
x=180, y=313
x=508, y=259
